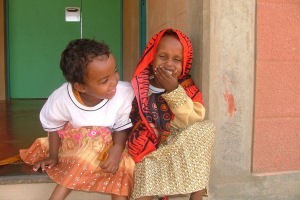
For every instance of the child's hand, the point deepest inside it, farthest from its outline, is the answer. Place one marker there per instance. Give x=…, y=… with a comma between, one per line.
x=47, y=163
x=166, y=78
x=111, y=165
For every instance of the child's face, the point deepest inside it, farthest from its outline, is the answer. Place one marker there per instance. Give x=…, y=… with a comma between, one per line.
x=101, y=79
x=169, y=55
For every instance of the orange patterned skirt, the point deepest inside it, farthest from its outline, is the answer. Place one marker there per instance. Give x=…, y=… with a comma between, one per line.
x=78, y=165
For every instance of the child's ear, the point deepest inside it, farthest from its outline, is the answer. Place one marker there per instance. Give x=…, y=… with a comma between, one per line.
x=79, y=87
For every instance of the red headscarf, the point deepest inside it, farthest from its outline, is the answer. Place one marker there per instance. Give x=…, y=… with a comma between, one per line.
x=151, y=115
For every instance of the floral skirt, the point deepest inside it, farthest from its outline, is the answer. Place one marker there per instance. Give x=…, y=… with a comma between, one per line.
x=181, y=165
x=78, y=165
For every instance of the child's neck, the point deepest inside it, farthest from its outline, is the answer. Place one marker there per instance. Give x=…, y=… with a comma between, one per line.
x=155, y=83
x=85, y=100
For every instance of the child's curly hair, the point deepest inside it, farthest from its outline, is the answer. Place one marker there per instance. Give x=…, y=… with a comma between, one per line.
x=77, y=55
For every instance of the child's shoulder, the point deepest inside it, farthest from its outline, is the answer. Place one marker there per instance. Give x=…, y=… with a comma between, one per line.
x=62, y=88
x=124, y=85
x=124, y=88
x=61, y=91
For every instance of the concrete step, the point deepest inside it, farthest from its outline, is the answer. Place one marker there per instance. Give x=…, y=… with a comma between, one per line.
x=40, y=191
x=19, y=182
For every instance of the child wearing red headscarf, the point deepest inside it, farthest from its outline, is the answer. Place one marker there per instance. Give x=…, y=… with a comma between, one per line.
x=170, y=142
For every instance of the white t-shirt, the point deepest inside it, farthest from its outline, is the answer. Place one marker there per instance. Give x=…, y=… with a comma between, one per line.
x=62, y=107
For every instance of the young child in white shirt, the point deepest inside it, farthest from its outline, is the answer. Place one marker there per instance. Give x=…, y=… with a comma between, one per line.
x=87, y=120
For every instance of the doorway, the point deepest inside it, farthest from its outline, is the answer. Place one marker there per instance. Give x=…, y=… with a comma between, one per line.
x=37, y=32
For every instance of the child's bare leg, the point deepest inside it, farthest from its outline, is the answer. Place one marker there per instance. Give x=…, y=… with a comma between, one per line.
x=60, y=193
x=197, y=195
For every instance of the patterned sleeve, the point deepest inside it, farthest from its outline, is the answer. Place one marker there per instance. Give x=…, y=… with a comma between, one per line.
x=185, y=110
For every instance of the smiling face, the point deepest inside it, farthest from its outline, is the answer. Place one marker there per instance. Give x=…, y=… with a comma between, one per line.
x=100, y=80
x=169, y=54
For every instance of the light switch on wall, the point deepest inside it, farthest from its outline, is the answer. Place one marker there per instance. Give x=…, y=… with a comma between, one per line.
x=72, y=14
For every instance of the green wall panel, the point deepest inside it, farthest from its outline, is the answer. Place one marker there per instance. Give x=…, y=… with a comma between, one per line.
x=104, y=24
x=37, y=34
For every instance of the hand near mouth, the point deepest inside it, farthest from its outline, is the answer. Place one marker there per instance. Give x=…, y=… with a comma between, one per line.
x=165, y=78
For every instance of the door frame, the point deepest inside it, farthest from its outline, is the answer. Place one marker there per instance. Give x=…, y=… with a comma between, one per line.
x=3, y=92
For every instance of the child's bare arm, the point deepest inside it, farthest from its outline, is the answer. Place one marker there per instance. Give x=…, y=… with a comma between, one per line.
x=52, y=160
x=111, y=165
